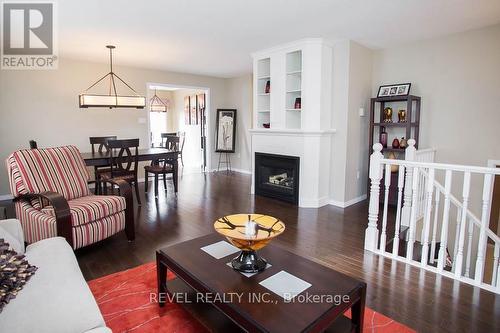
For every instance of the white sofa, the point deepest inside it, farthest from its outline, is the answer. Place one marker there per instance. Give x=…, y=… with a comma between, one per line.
x=55, y=299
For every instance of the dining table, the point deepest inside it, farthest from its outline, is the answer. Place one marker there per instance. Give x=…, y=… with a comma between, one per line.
x=146, y=154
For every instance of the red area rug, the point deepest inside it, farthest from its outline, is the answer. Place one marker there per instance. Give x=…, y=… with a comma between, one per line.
x=124, y=300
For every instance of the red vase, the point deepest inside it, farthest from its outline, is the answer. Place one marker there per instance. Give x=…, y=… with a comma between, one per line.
x=395, y=143
x=383, y=137
x=268, y=87
x=298, y=103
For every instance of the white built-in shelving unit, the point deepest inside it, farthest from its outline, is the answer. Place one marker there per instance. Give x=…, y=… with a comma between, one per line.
x=263, y=99
x=295, y=71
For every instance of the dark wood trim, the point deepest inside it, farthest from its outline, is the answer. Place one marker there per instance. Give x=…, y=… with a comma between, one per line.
x=61, y=209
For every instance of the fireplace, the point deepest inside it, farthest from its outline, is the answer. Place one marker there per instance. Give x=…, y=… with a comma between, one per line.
x=277, y=176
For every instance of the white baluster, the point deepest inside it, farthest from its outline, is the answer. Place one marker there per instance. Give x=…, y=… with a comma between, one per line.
x=406, y=211
x=485, y=217
x=494, y=278
x=469, y=248
x=434, y=226
x=387, y=183
x=371, y=232
x=461, y=239
x=413, y=215
x=444, y=223
x=457, y=234
x=395, y=242
x=427, y=217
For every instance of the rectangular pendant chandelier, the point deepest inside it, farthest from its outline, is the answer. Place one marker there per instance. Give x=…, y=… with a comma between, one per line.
x=112, y=100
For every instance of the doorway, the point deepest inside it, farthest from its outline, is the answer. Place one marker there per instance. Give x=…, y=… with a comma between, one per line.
x=186, y=116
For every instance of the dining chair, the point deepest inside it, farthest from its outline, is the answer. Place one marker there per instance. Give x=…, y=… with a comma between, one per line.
x=182, y=140
x=161, y=167
x=164, y=137
x=124, y=161
x=100, y=144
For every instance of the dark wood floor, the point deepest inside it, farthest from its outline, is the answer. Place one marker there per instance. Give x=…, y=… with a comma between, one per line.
x=329, y=235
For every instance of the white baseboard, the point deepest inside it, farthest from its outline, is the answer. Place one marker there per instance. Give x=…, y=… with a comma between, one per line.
x=313, y=203
x=344, y=204
x=6, y=197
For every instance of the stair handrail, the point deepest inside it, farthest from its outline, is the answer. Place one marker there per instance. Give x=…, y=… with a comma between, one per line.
x=459, y=205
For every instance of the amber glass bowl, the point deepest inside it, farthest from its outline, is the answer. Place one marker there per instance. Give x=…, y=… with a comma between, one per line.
x=249, y=237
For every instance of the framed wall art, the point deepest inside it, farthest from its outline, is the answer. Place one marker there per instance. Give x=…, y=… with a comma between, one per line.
x=401, y=89
x=187, y=109
x=225, y=131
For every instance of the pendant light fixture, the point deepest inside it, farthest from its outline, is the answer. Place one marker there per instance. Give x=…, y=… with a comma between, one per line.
x=112, y=99
x=157, y=105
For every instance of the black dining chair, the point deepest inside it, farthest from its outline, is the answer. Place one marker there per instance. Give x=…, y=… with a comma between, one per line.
x=100, y=144
x=124, y=161
x=161, y=167
x=164, y=137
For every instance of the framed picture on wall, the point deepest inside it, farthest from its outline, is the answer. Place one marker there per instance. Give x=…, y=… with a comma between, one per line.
x=193, y=105
x=201, y=107
x=187, y=109
x=401, y=89
x=225, y=131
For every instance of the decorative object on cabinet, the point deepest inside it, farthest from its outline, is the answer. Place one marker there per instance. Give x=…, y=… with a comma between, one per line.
x=392, y=156
x=268, y=87
x=383, y=137
x=402, y=116
x=226, y=130
x=267, y=125
x=401, y=89
x=403, y=143
x=395, y=143
x=388, y=115
x=408, y=129
x=298, y=103
x=187, y=110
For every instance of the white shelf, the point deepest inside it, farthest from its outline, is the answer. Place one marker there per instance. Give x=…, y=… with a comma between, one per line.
x=267, y=77
x=264, y=94
x=294, y=109
x=264, y=111
x=293, y=91
x=294, y=72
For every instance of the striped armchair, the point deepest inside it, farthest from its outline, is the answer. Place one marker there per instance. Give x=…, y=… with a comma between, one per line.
x=52, y=198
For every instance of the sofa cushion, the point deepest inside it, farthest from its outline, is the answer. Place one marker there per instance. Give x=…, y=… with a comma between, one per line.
x=15, y=271
x=91, y=208
x=60, y=170
x=57, y=298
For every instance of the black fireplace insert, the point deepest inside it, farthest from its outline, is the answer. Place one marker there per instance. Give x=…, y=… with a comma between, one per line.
x=277, y=176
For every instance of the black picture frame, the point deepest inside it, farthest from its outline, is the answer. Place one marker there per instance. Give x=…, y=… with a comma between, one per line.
x=224, y=141
x=391, y=90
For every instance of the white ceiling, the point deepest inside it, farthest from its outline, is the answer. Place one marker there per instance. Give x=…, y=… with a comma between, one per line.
x=216, y=37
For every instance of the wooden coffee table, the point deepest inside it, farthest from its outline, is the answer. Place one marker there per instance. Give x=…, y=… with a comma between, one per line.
x=210, y=276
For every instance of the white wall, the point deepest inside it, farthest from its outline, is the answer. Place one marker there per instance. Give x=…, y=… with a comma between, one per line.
x=458, y=78
x=239, y=96
x=43, y=105
x=352, y=70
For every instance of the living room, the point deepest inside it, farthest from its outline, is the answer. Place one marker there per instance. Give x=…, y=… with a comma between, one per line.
x=184, y=166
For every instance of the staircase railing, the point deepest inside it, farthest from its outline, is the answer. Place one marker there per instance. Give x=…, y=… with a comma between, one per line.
x=452, y=241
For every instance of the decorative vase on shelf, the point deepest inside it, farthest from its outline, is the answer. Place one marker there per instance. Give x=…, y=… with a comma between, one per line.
x=402, y=116
x=403, y=143
x=388, y=115
x=383, y=137
x=392, y=156
x=395, y=143
x=298, y=103
x=268, y=87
